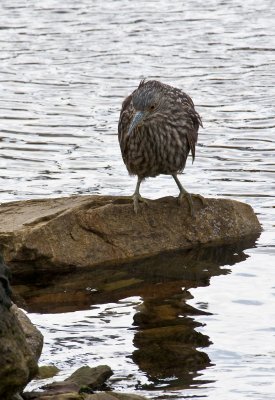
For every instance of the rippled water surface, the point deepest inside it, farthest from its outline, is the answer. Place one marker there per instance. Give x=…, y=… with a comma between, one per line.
x=65, y=69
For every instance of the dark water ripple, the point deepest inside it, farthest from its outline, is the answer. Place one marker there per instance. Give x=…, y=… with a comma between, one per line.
x=64, y=70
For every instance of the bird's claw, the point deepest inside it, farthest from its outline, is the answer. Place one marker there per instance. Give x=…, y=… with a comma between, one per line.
x=136, y=199
x=188, y=197
x=201, y=198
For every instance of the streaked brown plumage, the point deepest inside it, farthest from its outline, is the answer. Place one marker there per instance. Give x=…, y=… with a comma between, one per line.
x=158, y=127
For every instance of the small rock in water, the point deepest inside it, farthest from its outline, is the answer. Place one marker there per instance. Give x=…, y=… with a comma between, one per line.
x=114, y=396
x=73, y=388
x=93, y=378
x=47, y=371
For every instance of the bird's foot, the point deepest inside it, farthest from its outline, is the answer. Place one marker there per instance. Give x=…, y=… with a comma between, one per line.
x=136, y=199
x=201, y=198
x=185, y=195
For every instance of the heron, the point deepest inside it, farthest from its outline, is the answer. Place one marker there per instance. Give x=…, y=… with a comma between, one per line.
x=157, y=129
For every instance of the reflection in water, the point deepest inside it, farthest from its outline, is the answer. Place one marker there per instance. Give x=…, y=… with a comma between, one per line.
x=168, y=348
x=167, y=342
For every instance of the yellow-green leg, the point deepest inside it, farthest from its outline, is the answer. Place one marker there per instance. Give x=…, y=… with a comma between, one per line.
x=137, y=197
x=186, y=195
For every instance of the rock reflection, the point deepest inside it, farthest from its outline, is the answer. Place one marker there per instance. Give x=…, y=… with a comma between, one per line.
x=168, y=346
x=160, y=277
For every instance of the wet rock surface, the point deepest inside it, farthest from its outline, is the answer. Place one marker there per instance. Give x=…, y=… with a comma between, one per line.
x=89, y=231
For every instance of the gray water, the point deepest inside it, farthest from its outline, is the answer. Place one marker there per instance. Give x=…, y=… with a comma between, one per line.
x=65, y=69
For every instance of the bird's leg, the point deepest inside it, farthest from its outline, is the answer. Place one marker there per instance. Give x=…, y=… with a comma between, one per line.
x=184, y=194
x=137, y=197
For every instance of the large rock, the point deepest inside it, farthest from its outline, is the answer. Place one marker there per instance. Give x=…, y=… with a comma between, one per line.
x=5, y=289
x=85, y=231
x=18, y=364
x=33, y=336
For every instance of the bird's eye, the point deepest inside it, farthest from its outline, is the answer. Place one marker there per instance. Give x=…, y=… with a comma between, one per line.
x=152, y=107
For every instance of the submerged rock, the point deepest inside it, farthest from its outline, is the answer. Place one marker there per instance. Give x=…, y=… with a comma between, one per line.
x=60, y=235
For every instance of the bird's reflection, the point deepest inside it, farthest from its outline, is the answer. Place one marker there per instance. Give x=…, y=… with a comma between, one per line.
x=167, y=342
x=169, y=349
x=168, y=346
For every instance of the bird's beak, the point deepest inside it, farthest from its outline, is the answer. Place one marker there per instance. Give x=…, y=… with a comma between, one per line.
x=137, y=119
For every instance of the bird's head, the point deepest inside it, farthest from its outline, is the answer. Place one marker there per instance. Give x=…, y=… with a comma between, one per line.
x=147, y=101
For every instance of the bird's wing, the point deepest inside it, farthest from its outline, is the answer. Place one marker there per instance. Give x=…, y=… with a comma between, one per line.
x=124, y=123
x=192, y=134
x=124, y=119
x=192, y=143
x=187, y=101
x=194, y=123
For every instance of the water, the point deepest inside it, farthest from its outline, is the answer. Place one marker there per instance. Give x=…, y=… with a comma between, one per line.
x=65, y=69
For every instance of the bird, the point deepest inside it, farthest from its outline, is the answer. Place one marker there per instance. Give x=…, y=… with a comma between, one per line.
x=158, y=127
